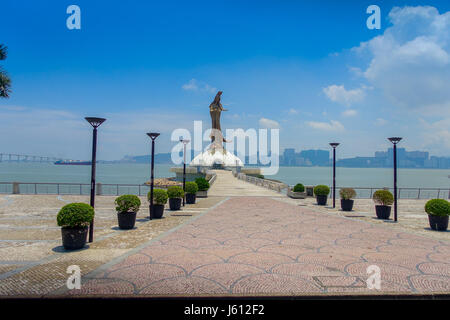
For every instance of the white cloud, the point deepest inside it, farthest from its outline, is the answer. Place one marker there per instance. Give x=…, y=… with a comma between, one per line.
x=61, y=133
x=333, y=125
x=269, y=124
x=190, y=86
x=199, y=86
x=436, y=136
x=233, y=116
x=380, y=122
x=292, y=111
x=349, y=113
x=342, y=96
x=356, y=71
x=410, y=62
x=12, y=108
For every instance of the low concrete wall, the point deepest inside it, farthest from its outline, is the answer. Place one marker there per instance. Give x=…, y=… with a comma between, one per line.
x=211, y=177
x=250, y=170
x=271, y=185
x=193, y=173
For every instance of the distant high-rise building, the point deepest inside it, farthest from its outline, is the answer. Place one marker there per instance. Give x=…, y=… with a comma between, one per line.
x=440, y=162
x=316, y=157
x=381, y=154
x=289, y=157
x=382, y=159
x=417, y=158
x=417, y=155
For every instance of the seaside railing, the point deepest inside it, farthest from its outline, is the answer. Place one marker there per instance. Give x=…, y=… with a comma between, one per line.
x=48, y=188
x=361, y=192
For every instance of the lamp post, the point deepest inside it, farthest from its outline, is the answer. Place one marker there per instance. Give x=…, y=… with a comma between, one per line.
x=334, y=146
x=395, y=141
x=184, y=142
x=95, y=123
x=153, y=136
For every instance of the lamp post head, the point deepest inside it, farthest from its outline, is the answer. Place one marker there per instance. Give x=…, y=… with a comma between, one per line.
x=185, y=141
x=95, y=122
x=334, y=144
x=153, y=135
x=395, y=140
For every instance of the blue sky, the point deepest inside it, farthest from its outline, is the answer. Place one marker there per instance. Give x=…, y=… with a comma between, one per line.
x=312, y=69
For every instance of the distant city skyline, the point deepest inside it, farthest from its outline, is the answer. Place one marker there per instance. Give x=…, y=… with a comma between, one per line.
x=305, y=158
x=312, y=69
x=381, y=159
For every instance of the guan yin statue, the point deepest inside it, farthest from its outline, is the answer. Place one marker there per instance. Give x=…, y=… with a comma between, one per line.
x=216, y=156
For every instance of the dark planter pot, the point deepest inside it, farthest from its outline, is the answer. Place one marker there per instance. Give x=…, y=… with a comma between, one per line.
x=383, y=212
x=438, y=223
x=175, y=204
x=157, y=212
x=347, y=204
x=126, y=220
x=74, y=238
x=190, y=198
x=322, y=200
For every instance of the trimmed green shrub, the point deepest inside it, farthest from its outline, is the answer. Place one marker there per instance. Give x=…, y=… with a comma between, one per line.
x=202, y=183
x=75, y=215
x=127, y=203
x=159, y=196
x=347, y=193
x=438, y=207
x=299, y=188
x=383, y=197
x=191, y=187
x=175, y=192
x=321, y=190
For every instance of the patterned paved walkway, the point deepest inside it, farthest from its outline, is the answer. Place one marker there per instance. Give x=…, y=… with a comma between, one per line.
x=263, y=246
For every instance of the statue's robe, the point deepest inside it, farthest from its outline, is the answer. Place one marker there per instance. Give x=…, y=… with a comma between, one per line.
x=215, y=109
x=215, y=118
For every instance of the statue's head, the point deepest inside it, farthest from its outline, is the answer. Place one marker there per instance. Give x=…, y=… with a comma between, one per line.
x=219, y=93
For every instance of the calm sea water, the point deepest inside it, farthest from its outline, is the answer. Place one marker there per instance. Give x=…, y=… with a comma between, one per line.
x=365, y=177
x=105, y=173
x=140, y=173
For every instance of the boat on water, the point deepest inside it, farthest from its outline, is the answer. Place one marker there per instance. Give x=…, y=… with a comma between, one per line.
x=73, y=162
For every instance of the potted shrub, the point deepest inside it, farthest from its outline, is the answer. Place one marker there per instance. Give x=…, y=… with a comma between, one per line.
x=127, y=207
x=298, y=192
x=191, y=191
x=438, y=211
x=383, y=200
x=347, y=195
x=203, y=186
x=159, y=200
x=74, y=219
x=175, y=194
x=321, y=192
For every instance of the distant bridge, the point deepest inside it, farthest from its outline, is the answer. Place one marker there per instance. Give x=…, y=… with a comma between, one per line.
x=11, y=157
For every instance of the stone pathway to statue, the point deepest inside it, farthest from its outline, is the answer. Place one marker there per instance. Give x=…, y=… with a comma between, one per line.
x=241, y=240
x=263, y=246
x=227, y=185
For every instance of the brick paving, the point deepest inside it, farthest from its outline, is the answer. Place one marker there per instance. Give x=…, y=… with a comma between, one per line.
x=264, y=246
x=257, y=242
x=32, y=260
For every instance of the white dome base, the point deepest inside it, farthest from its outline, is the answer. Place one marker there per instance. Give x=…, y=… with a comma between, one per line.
x=216, y=157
